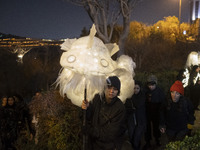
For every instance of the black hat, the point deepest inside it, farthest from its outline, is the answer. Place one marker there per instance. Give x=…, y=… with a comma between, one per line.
x=114, y=81
x=152, y=79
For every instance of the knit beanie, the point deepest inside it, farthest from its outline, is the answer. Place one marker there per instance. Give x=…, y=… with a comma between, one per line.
x=178, y=87
x=114, y=81
x=152, y=79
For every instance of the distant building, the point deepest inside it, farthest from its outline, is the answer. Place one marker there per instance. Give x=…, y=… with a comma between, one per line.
x=195, y=15
x=195, y=10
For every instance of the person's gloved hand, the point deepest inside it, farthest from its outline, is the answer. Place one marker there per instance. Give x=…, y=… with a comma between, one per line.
x=162, y=130
x=190, y=126
x=85, y=104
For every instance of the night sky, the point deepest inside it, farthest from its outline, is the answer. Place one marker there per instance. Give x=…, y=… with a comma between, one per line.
x=56, y=19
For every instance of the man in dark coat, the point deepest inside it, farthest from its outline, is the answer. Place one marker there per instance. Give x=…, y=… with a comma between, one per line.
x=196, y=94
x=177, y=114
x=194, y=86
x=10, y=126
x=154, y=98
x=105, y=118
x=24, y=118
x=2, y=121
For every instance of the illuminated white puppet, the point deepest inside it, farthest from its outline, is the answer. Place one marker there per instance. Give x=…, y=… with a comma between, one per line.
x=192, y=60
x=87, y=62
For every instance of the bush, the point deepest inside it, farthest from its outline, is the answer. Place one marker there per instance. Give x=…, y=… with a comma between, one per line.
x=58, y=126
x=64, y=134
x=189, y=143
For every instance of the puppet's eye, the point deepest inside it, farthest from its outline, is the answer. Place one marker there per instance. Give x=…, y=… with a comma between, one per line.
x=71, y=58
x=104, y=63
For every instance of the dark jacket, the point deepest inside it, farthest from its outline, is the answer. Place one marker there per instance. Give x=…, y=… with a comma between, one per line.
x=154, y=99
x=136, y=118
x=105, y=123
x=155, y=96
x=10, y=126
x=24, y=118
x=176, y=116
x=2, y=120
x=136, y=104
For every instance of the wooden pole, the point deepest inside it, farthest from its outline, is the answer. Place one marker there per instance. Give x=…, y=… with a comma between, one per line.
x=84, y=122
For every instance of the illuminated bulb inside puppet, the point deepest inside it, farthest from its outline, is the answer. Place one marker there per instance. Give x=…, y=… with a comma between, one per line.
x=96, y=60
x=95, y=54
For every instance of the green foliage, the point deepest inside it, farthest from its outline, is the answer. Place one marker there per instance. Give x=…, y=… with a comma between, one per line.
x=63, y=134
x=166, y=29
x=189, y=143
x=59, y=124
x=24, y=143
x=138, y=32
x=161, y=46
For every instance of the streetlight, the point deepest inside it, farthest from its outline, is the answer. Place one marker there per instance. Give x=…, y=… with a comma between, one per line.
x=179, y=11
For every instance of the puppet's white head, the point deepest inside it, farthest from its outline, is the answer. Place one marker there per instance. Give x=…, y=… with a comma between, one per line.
x=87, y=63
x=193, y=59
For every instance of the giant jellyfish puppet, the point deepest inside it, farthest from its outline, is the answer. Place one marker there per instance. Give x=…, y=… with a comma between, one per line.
x=86, y=63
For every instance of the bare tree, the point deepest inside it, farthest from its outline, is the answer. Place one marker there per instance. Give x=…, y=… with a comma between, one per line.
x=105, y=14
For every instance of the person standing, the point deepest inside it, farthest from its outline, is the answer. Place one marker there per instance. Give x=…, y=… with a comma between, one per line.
x=11, y=120
x=177, y=114
x=105, y=118
x=2, y=121
x=196, y=94
x=193, y=86
x=154, y=98
x=24, y=118
x=136, y=116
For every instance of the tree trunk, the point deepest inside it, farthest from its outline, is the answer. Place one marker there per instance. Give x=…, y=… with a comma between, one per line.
x=126, y=25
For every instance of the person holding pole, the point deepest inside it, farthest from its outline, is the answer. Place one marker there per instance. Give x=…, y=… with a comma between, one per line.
x=105, y=116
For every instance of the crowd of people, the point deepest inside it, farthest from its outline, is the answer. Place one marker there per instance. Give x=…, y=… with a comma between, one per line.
x=149, y=113
x=109, y=122
x=154, y=113
x=16, y=121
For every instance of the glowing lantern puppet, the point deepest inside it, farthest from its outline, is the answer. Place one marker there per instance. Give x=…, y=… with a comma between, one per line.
x=87, y=62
